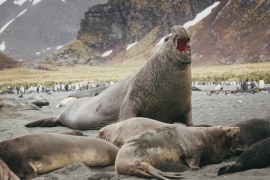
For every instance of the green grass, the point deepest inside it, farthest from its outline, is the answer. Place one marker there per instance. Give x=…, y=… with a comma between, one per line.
x=24, y=76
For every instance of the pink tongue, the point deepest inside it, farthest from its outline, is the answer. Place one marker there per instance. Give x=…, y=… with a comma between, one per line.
x=182, y=45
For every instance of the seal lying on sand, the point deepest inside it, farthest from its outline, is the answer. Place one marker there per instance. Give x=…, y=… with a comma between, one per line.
x=251, y=131
x=195, y=146
x=255, y=157
x=88, y=93
x=166, y=74
x=34, y=154
x=6, y=173
x=121, y=132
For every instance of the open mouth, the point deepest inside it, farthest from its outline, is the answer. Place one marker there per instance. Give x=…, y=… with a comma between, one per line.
x=182, y=45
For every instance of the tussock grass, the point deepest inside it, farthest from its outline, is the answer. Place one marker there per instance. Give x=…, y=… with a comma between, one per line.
x=24, y=76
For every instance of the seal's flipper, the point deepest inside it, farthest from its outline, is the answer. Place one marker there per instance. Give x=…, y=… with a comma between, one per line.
x=30, y=171
x=47, y=122
x=159, y=174
x=230, y=169
x=74, y=133
x=6, y=173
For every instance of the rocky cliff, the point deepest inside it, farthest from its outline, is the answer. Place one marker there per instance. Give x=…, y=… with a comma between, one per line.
x=7, y=62
x=237, y=31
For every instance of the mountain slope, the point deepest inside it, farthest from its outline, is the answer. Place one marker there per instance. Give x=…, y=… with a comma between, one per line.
x=7, y=62
x=32, y=29
x=236, y=31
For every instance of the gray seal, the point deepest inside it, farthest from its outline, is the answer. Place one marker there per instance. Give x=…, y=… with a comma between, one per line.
x=166, y=74
x=121, y=132
x=39, y=153
x=194, y=146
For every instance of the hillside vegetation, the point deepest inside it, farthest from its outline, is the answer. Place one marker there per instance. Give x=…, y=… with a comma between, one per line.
x=23, y=76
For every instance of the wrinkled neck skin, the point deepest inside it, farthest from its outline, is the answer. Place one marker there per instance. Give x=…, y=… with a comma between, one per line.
x=167, y=67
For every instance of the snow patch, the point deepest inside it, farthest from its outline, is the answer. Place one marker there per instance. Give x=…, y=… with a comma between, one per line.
x=162, y=40
x=49, y=48
x=201, y=15
x=37, y=53
x=20, y=2
x=63, y=1
x=22, y=13
x=131, y=45
x=107, y=53
x=2, y=1
x=35, y=2
x=198, y=18
x=6, y=25
x=59, y=47
x=3, y=46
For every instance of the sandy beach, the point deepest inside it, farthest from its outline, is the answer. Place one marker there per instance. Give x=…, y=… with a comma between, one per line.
x=212, y=110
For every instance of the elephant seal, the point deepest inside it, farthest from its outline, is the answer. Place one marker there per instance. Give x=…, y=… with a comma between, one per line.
x=255, y=157
x=166, y=74
x=251, y=131
x=33, y=154
x=194, y=146
x=6, y=173
x=121, y=132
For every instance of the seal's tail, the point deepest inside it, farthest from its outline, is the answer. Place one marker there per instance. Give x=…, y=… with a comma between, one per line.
x=46, y=122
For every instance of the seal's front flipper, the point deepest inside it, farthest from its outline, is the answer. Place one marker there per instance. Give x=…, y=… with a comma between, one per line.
x=29, y=171
x=47, y=122
x=193, y=162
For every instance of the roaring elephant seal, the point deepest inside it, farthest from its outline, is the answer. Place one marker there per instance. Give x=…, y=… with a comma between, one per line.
x=121, y=132
x=255, y=157
x=194, y=146
x=166, y=74
x=251, y=131
x=6, y=173
x=33, y=154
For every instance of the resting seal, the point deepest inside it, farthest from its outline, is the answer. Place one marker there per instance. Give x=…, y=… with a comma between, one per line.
x=251, y=131
x=33, y=154
x=191, y=145
x=6, y=173
x=256, y=156
x=121, y=132
x=166, y=74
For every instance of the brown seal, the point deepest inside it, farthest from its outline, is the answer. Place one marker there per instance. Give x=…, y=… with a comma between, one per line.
x=6, y=173
x=166, y=74
x=255, y=157
x=121, y=132
x=195, y=146
x=33, y=154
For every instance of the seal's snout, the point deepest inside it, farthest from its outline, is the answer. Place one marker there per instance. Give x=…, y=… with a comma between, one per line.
x=232, y=132
x=235, y=131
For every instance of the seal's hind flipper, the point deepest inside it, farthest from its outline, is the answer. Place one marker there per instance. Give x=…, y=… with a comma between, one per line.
x=74, y=133
x=159, y=174
x=47, y=122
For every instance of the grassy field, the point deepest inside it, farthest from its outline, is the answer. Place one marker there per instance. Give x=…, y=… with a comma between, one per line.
x=24, y=76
